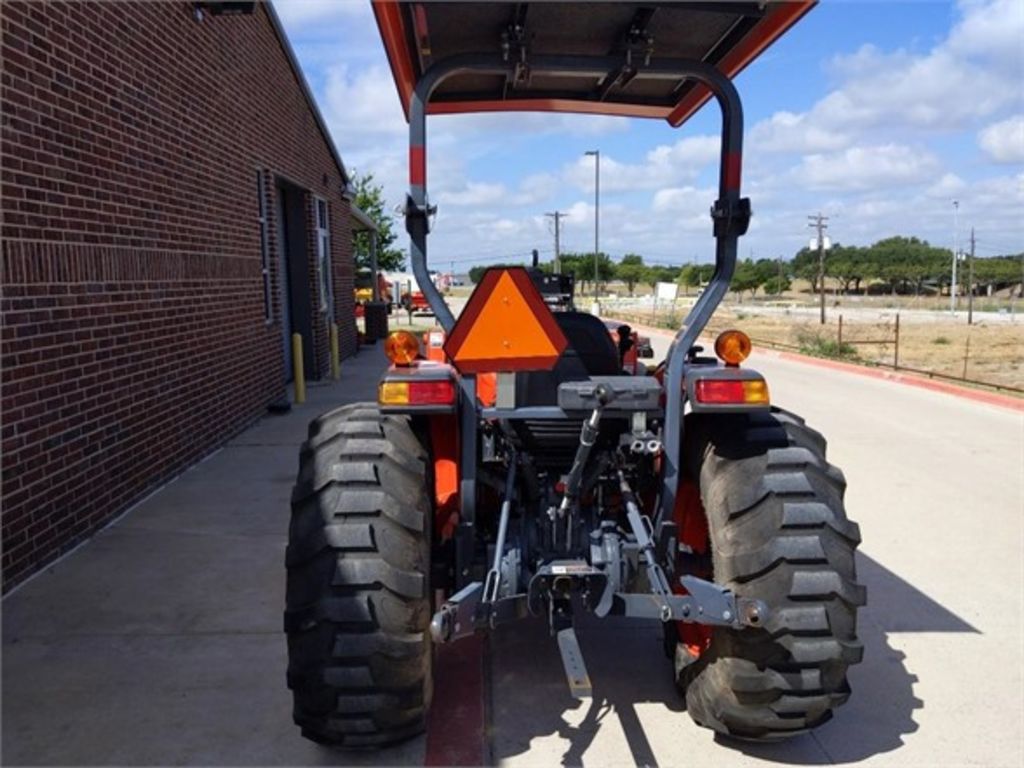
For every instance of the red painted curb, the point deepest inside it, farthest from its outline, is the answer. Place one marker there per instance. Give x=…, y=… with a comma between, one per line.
x=991, y=398
x=911, y=380
x=456, y=725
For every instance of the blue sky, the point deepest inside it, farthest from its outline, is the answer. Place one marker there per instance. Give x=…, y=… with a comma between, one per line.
x=878, y=114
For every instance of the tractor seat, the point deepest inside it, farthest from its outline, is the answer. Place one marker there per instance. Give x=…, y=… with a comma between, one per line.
x=590, y=352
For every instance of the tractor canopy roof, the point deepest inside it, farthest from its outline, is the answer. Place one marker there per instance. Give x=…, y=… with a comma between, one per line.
x=728, y=35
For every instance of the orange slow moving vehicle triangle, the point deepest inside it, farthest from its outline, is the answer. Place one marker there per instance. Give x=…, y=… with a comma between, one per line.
x=505, y=326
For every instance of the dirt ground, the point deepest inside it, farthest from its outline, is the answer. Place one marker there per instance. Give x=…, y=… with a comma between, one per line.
x=991, y=350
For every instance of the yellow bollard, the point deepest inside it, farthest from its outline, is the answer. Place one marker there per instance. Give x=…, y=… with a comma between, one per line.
x=298, y=370
x=335, y=353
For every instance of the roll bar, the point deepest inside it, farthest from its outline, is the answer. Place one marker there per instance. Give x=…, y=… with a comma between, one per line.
x=730, y=213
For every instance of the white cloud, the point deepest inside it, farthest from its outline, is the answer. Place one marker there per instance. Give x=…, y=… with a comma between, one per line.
x=881, y=151
x=948, y=186
x=939, y=91
x=974, y=73
x=474, y=193
x=534, y=189
x=664, y=165
x=362, y=107
x=683, y=200
x=1004, y=141
x=690, y=152
x=861, y=168
x=992, y=31
x=302, y=13
x=789, y=132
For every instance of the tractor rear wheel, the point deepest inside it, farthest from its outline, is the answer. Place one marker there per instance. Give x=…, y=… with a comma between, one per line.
x=778, y=532
x=358, y=593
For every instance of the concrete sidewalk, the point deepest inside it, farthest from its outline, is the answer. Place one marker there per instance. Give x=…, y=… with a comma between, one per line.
x=160, y=641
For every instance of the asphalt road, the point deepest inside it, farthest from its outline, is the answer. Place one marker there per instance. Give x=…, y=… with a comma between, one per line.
x=937, y=485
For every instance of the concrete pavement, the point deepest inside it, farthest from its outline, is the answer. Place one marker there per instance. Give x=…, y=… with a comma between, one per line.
x=160, y=641
x=937, y=485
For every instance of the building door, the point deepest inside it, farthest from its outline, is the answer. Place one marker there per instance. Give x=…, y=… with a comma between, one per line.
x=296, y=304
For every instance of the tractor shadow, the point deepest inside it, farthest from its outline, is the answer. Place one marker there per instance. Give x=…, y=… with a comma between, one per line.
x=636, y=715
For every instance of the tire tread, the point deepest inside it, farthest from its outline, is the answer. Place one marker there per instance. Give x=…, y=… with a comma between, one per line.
x=358, y=602
x=779, y=533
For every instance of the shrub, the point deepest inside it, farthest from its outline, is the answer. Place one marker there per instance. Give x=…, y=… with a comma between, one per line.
x=816, y=345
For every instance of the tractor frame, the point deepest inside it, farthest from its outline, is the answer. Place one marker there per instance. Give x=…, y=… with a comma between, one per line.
x=681, y=497
x=730, y=214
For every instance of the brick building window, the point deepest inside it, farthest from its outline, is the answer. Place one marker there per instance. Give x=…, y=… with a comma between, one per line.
x=268, y=309
x=323, y=254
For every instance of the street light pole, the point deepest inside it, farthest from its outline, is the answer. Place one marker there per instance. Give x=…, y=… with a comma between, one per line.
x=596, y=154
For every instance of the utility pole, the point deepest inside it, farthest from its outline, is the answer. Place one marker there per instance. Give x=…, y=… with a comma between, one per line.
x=956, y=255
x=970, y=282
x=557, y=215
x=818, y=222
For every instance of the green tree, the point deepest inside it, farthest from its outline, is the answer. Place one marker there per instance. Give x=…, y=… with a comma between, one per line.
x=654, y=275
x=905, y=261
x=998, y=272
x=850, y=266
x=582, y=266
x=745, y=278
x=805, y=266
x=765, y=270
x=630, y=270
x=695, y=275
x=773, y=286
x=369, y=198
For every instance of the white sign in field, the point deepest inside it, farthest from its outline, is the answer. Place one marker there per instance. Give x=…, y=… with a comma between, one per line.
x=666, y=291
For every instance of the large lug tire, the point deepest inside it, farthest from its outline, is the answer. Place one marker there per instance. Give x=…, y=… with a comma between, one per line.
x=778, y=533
x=358, y=595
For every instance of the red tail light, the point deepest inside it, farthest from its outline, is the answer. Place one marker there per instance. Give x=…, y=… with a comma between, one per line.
x=731, y=392
x=431, y=393
x=416, y=393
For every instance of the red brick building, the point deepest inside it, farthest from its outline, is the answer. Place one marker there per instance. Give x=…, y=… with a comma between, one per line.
x=173, y=208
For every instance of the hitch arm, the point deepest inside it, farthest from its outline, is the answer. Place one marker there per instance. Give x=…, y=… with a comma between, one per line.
x=706, y=603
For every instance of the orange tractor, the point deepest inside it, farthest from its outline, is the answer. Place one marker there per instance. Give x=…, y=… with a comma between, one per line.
x=517, y=465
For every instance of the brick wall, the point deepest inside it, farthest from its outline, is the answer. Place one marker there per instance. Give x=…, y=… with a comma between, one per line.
x=134, y=335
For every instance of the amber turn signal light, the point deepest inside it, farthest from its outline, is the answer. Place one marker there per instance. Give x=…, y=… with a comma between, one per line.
x=733, y=347
x=401, y=347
